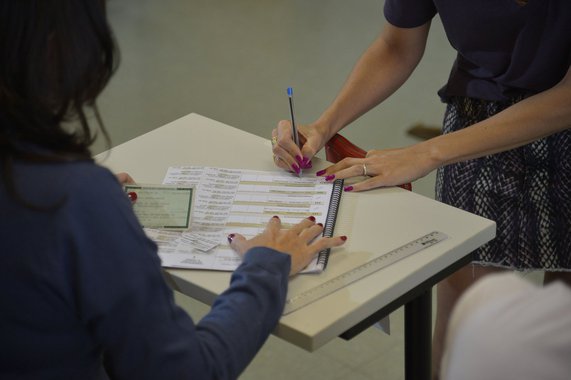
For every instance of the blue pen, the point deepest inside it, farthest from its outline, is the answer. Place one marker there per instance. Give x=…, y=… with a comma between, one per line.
x=293, y=127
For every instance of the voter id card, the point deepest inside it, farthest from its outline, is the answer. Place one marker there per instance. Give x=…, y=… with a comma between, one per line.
x=162, y=206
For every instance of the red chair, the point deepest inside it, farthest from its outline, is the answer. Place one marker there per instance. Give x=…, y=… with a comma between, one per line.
x=339, y=147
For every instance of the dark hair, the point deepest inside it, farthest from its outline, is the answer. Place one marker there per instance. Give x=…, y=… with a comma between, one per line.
x=56, y=56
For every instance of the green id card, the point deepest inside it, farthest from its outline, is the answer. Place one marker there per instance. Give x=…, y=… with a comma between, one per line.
x=159, y=206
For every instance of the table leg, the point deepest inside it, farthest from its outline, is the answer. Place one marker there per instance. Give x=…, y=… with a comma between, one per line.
x=418, y=337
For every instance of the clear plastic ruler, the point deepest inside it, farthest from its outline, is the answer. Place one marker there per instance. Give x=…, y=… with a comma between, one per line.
x=313, y=294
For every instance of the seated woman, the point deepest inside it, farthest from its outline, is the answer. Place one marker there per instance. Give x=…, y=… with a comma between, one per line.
x=83, y=295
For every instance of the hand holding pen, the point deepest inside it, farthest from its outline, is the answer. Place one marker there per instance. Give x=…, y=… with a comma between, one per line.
x=294, y=145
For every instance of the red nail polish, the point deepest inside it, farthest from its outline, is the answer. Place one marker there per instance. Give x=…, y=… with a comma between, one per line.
x=311, y=217
x=275, y=216
x=348, y=188
x=330, y=177
x=320, y=224
x=344, y=238
x=320, y=173
x=132, y=196
x=230, y=238
x=299, y=159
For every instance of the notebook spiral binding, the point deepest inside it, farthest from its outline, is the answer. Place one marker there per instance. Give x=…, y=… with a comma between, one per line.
x=323, y=256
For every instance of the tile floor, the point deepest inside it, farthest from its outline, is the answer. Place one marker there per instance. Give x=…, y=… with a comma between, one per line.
x=232, y=60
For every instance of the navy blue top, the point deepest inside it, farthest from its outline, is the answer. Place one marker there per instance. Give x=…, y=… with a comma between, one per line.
x=84, y=282
x=504, y=50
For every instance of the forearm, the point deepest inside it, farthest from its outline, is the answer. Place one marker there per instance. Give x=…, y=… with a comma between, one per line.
x=242, y=318
x=531, y=119
x=382, y=69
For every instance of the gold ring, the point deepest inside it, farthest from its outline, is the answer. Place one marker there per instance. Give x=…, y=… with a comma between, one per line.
x=274, y=141
x=364, y=170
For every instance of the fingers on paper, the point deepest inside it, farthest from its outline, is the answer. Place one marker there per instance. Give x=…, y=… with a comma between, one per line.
x=274, y=225
x=238, y=243
x=311, y=232
x=298, y=228
x=327, y=242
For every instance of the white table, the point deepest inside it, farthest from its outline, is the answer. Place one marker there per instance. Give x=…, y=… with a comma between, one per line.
x=375, y=221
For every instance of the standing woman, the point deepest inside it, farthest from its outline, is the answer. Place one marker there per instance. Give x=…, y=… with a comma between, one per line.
x=82, y=292
x=506, y=149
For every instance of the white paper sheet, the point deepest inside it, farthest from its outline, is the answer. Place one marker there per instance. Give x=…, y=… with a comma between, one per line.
x=237, y=201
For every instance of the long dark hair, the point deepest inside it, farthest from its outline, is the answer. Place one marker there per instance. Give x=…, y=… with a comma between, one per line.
x=56, y=56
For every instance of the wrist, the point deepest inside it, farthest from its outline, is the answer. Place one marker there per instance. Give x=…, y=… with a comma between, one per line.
x=325, y=128
x=432, y=153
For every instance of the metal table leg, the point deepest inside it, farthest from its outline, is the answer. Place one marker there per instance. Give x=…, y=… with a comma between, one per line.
x=418, y=334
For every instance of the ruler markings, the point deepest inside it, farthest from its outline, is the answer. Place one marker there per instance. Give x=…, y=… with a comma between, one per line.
x=310, y=295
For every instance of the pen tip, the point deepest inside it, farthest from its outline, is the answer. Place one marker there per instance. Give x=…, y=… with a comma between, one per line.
x=290, y=91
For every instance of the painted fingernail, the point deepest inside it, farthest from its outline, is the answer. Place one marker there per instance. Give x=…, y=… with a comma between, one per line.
x=308, y=165
x=299, y=159
x=305, y=160
x=311, y=217
x=344, y=238
x=277, y=217
x=330, y=177
x=348, y=188
x=132, y=196
x=320, y=224
x=295, y=168
x=320, y=173
x=230, y=238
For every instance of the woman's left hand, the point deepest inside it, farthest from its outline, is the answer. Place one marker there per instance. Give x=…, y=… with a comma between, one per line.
x=387, y=167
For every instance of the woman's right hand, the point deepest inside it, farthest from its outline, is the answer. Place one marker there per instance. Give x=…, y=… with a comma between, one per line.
x=301, y=242
x=289, y=156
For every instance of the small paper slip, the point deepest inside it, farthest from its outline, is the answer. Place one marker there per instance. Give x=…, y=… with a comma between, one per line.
x=160, y=206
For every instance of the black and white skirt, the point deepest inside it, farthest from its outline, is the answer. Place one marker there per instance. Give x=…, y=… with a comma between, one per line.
x=526, y=191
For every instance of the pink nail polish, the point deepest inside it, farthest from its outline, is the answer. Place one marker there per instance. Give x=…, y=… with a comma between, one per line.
x=348, y=188
x=299, y=159
x=330, y=177
x=320, y=173
x=295, y=168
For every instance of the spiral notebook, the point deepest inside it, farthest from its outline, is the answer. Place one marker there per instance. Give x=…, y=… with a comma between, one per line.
x=242, y=201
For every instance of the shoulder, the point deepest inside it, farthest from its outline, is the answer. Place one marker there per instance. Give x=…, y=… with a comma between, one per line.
x=86, y=178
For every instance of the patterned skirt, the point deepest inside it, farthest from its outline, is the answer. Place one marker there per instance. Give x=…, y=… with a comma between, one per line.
x=526, y=191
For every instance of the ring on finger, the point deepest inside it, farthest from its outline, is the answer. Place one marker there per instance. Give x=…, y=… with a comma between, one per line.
x=364, y=170
x=274, y=140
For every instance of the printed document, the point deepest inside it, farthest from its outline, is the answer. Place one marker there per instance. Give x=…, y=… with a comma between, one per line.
x=236, y=201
